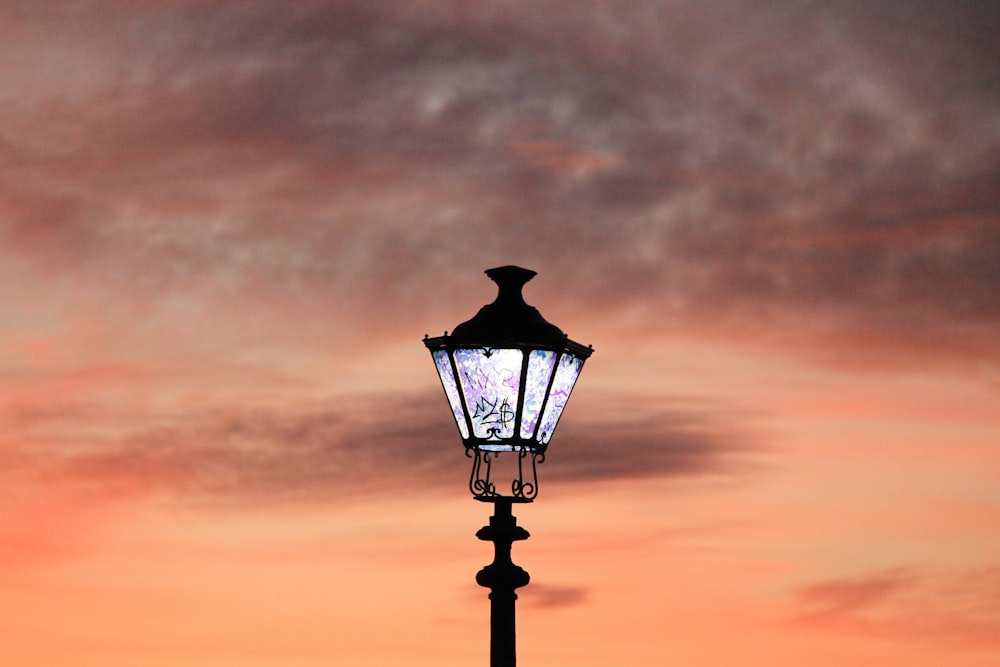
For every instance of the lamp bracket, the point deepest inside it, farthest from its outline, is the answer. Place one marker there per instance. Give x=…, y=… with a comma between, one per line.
x=523, y=477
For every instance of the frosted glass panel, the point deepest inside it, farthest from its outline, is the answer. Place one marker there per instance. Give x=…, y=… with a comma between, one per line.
x=540, y=365
x=451, y=389
x=566, y=373
x=490, y=380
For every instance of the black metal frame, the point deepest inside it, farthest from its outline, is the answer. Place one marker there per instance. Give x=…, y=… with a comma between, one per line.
x=515, y=442
x=484, y=450
x=483, y=486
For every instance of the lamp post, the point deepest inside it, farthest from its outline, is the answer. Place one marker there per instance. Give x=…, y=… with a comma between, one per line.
x=507, y=374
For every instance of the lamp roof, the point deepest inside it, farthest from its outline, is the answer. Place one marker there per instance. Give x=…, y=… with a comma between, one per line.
x=508, y=319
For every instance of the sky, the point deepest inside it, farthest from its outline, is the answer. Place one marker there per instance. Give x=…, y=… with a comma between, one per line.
x=225, y=228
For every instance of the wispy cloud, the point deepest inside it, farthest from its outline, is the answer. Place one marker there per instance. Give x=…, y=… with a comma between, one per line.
x=345, y=149
x=957, y=608
x=553, y=595
x=379, y=445
x=842, y=597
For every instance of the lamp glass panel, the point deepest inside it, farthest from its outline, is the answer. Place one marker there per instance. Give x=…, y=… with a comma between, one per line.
x=490, y=380
x=451, y=389
x=567, y=371
x=540, y=365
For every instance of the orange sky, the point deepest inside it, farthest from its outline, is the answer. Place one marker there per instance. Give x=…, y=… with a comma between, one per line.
x=225, y=228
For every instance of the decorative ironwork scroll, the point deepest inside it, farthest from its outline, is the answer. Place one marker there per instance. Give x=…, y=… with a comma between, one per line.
x=523, y=485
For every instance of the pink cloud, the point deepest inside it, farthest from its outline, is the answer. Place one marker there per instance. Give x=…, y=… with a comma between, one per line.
x=957, y=609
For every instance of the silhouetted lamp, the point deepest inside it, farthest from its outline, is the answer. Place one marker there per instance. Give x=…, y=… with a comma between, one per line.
x=507, y=374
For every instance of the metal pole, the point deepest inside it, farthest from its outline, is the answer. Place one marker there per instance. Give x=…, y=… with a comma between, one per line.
x=502, y=577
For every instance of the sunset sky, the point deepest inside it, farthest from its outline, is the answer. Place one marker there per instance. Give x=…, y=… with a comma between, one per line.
x=226, y=226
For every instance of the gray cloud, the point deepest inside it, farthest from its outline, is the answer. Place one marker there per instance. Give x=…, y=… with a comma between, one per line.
x=380, y=445
x=553, y=595
x=789, y=169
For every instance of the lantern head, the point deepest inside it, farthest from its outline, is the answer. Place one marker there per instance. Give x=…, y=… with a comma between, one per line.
x=507, y=374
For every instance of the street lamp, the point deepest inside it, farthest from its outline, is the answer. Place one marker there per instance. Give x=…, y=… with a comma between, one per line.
x=507, y=374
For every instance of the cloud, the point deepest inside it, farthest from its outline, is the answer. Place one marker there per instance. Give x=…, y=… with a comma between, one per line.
x=645, y=437
x=364, y=447
x=840, y=597
x=813, y=176
x=548, y=596
x=956, y=608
